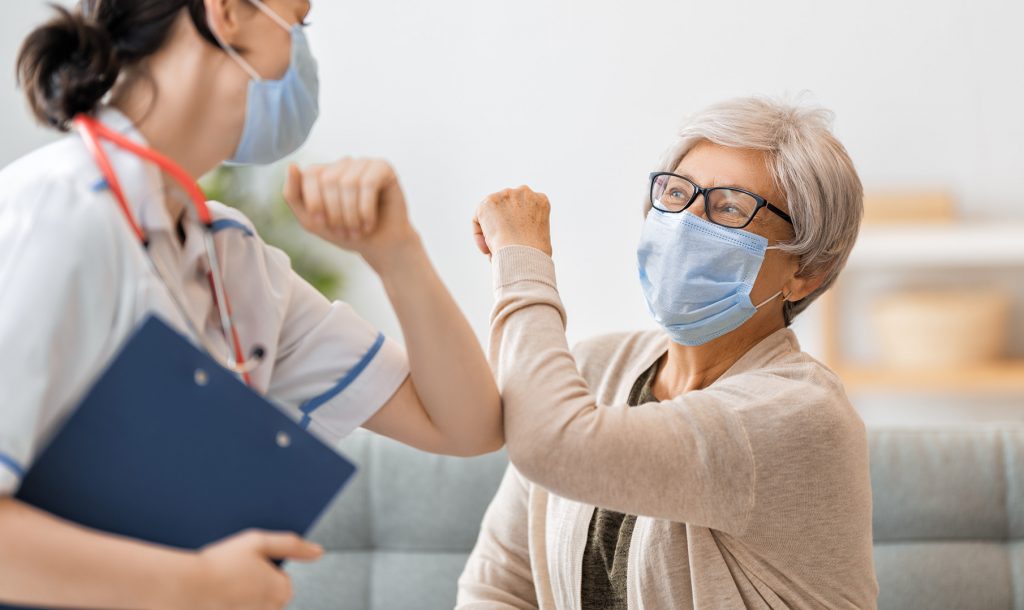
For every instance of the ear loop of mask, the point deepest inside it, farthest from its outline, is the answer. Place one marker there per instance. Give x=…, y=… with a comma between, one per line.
x=233, y=54
x=269, y=12
x=782, y=293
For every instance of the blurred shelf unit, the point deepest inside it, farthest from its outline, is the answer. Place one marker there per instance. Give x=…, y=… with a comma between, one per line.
x=958, y=247
x=939, y=246
x=998, y=377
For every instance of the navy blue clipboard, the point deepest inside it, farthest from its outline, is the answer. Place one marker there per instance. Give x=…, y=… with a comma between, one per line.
x=171, y=448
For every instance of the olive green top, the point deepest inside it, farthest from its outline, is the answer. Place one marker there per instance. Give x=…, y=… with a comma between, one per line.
x=607, y=553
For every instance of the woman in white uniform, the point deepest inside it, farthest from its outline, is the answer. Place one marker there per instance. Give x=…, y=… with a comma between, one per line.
x=87, y=254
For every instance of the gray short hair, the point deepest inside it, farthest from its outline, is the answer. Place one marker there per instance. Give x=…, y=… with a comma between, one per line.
x=807, y=163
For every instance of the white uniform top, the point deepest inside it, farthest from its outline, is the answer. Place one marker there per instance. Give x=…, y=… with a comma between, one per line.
x=75, y=282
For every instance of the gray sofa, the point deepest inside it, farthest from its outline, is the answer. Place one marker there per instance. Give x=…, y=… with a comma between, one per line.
x=949, y=518
x=398, y=536
x=949, y=524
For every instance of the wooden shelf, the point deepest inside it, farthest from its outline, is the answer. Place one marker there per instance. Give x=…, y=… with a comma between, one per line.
x=956, y=245
x=949, y=246
x=998, y=377
x=953, y=246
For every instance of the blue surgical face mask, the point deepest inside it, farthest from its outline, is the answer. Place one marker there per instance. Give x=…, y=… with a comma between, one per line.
x=279, y=114
x=697, y=276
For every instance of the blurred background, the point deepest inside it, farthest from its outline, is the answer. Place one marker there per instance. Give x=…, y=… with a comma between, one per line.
x=579, y=99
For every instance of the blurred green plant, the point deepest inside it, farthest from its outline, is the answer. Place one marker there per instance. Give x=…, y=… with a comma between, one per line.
x=257, y=194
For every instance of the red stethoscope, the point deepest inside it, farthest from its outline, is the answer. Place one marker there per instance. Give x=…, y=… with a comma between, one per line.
x=92, y=132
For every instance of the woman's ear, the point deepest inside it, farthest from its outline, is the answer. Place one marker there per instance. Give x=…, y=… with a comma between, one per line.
x=802, y=285
x=224, y=19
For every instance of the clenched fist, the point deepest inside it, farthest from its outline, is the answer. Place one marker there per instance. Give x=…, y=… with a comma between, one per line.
x=356, y=204
x=513, y=217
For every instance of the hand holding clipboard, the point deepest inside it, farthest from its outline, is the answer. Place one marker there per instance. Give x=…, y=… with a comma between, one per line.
x=169, y=448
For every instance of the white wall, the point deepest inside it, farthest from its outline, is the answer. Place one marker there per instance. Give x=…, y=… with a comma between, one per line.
x=578, y=99
x=19, y=133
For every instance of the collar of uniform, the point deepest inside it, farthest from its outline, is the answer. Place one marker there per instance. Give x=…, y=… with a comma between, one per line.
x=141, y=181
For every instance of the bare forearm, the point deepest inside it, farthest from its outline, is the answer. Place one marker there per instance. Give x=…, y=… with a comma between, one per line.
x=45, y=561
x=451, y=404
x=449, y=369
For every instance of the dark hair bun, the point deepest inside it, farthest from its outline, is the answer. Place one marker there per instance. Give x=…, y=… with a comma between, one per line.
x=65, y=67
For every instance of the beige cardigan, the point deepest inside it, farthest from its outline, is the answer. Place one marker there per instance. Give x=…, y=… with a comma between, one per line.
x=752, y=493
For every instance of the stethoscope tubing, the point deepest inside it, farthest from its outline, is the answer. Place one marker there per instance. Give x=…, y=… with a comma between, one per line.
x=92, y=131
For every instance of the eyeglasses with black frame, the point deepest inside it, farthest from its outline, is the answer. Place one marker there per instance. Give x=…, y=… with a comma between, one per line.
x=725, y=206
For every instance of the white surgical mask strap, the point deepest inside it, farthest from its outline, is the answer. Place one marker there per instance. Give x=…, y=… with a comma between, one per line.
x=782, y=293
x=772, y=298
x=233, y=54
x=269, y=12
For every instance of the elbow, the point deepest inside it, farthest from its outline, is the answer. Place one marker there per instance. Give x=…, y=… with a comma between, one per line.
x=544, y=449
x=479, y=447
x=525, y=453
x=476, y=447
x=8, y=522
x=495, y=441
x=485, y=441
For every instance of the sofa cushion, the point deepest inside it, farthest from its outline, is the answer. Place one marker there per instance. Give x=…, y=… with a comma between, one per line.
x=948, y=523
x=948, y=575
x=364, y=580
x=399, y=535
x=965, y=484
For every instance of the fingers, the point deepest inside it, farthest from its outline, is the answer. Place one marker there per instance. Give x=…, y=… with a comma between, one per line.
x=478, y=236
x=518, y=216
x=293, y=185
x=351, y=184
x=378, y=178
x=277, y=591
x=330, y=188
x=293, y=191
x=344, y=198
x=283, y=545
x=312, y=195
x=283, y=591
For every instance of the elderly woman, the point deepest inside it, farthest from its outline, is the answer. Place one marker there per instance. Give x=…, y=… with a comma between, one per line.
x=710, y=464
